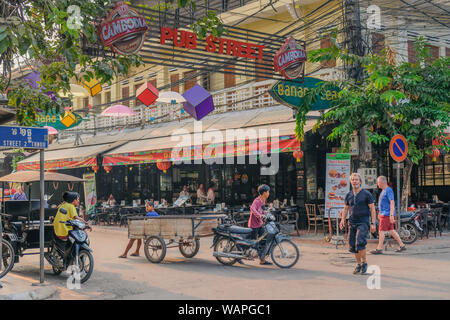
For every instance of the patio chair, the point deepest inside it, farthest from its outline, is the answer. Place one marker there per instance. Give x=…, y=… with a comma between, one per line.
x=321, y=214
x=423, y=222
x=313, y=219
x=436, y=221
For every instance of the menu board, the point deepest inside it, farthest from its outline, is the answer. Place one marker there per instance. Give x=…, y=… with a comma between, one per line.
x=337, y=182
x=90, y=193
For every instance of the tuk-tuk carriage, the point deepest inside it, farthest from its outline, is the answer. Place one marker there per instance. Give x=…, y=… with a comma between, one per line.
x=20, y=219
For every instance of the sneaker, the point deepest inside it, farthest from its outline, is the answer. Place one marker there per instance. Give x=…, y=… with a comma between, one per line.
x=363, y=268
x=357, y=269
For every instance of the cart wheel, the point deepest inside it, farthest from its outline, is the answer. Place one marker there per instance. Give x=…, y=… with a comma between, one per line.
x=155, y=249
x=189, y=248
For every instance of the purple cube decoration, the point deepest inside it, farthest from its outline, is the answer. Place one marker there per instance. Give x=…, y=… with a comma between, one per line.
x=199, y=102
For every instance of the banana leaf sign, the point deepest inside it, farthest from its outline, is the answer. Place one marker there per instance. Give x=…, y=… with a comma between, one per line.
x=53, y=119
x=291, y=93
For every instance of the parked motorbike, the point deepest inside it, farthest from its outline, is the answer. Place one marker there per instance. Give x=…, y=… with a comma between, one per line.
x=74, y=252
x=232, y=243
x=409, y=227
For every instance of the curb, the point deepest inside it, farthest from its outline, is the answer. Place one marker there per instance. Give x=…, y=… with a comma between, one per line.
x=36, y=294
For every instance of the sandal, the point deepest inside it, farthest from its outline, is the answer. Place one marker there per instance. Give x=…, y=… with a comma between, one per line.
x=401, y=249
x=123, y=257
x=266, y=263
x=376, y=251
x=134, y=255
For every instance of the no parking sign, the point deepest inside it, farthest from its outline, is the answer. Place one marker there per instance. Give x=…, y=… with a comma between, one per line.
x=398, y=148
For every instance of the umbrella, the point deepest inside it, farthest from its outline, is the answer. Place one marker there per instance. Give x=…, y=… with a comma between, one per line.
x=170, y=97
x=51, y=130
x=118, y=110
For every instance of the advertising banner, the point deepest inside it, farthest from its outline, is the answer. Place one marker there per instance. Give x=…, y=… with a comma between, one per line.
x=337, y=183
x=90, y=193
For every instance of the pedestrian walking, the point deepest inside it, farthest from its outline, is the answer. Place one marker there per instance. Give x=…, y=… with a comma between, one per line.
x=359, y=203
x=150, y=212
x=386, y=217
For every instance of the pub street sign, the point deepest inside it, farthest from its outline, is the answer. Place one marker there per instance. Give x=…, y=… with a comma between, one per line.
x=291, y=93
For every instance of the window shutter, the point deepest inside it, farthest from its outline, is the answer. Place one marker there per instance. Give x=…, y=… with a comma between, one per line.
x=125, y=94
x=411, y=52
x=434, y=50
x=326, y=43
x=189, y=83
x=377, y=42
x=174, y=78
x=230, y=79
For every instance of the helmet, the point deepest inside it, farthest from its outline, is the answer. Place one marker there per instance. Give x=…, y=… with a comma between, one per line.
x=263, y=188
x=270, y=217
x=70, y=196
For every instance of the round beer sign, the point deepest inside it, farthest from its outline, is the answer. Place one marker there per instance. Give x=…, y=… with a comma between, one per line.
x=124, y=30
x=290, y=59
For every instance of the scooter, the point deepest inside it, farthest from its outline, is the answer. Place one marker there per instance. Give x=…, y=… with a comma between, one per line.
x=409, y=227
x=74, y=252
x=232, y=243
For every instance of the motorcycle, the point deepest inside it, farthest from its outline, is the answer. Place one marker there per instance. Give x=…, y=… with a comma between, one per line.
x=74, y=252
x=409, y=227
x=231, y=243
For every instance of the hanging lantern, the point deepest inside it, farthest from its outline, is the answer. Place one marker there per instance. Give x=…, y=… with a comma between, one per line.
x=298, y=154
x=434, y=154
x=163, y=166
x=93, y=86
x=147, y=94
x=107, y=168
x=95, y=168
x=131, y=168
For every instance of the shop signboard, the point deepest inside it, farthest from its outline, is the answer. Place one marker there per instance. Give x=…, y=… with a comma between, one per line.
x=291, y=93
x=337, y=182
x=90, y=192
x=53, y=119
x=369, y=177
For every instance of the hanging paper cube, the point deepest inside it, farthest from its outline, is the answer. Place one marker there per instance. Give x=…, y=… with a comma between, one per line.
x=199, y=102
x=147, y=94
x=93, y=86
x=68, y=119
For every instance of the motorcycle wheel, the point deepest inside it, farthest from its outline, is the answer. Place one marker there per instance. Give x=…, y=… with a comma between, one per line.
x=189, y=248
x=225, y=245
x=86, y=264
x=8, y=258
x=56, y=271
x=408, y=233
x=155, y=249
x=285, y=254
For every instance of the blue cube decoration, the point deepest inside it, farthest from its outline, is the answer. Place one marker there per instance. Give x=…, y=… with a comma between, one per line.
x=199, y=102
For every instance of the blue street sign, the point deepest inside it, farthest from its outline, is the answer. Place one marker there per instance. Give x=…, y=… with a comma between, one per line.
x=23, y=137
x=398, y=148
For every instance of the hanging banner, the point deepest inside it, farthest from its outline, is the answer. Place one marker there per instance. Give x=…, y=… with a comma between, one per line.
x=337, y=183
x=90, y=192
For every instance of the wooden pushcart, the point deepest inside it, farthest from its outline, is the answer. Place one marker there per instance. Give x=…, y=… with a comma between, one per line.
x=163, y=232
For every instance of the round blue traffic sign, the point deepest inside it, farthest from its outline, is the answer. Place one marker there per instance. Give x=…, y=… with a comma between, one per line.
x=398, y=148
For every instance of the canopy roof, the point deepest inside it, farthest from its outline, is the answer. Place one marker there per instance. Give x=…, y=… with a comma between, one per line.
x=34, y=176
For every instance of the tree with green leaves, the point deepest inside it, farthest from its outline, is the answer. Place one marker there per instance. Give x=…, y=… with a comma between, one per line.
x=49, y=36
x=412, y=99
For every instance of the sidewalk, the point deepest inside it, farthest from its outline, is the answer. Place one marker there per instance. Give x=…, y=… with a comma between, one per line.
x=20, y=288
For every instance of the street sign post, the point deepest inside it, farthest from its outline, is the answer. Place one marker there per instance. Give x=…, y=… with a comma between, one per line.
x=29, y=138
x=398, y=148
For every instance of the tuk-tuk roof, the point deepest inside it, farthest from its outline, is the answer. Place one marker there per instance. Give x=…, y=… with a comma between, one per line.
x=34, y=176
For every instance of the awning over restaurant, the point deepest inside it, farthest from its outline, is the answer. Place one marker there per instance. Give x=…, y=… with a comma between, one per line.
x=67, y=158
x=254, y=133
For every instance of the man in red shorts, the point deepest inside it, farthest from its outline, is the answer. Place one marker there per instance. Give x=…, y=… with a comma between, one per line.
x=386, y=207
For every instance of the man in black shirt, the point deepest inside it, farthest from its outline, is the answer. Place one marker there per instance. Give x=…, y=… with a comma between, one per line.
x=360, y=204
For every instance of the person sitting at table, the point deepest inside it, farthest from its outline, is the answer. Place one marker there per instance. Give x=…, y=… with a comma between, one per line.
x=201, y=195
x=111, y=201
x=19, y=195
x=211, y=196
x=276, y=203
x=185, y=192
x=150, y=210
x=284, y=204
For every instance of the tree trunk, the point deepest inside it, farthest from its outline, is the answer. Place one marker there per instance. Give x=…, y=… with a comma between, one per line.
x=408, y=166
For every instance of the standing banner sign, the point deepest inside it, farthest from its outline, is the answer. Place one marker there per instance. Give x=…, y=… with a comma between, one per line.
x=90, y=192
x=337, y=183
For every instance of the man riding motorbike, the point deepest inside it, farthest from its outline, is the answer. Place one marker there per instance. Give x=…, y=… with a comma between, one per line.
x=61, y=231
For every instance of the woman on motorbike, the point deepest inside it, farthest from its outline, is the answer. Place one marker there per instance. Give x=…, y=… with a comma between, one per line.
x=257, y=214
x=71, y=200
